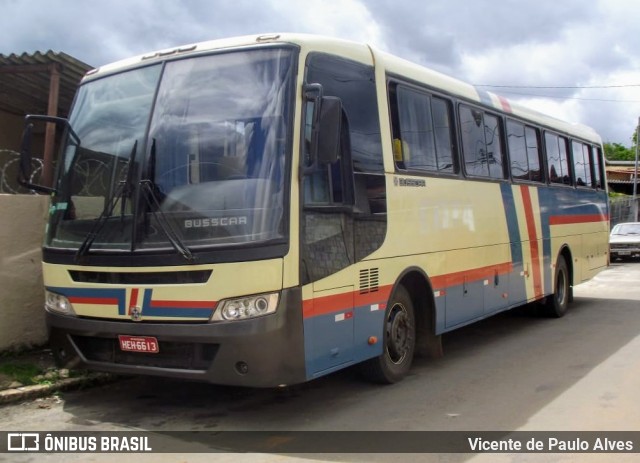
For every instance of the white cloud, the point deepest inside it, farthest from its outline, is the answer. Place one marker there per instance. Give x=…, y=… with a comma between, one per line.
x=347, y=19
x=594, y=53
x=546, y=42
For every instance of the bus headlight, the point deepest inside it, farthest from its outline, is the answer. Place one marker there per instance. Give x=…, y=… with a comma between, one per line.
x=59, y=304
x=246, y=307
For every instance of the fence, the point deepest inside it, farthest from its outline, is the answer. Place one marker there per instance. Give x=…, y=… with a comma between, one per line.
x=622, y=210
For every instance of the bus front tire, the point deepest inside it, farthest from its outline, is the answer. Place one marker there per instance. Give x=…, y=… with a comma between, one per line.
x=399, y=342
x=556, y=304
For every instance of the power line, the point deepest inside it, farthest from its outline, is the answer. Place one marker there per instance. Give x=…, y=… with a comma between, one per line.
x=558, y=86
x=570, y=97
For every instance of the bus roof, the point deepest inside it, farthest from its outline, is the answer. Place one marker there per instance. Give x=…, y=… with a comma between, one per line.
x=365, y=53
x=452, y=86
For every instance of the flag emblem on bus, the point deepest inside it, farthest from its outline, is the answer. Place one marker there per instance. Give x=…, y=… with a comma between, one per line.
x=136, y=313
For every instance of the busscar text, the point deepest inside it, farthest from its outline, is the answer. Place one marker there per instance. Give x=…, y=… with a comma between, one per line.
x=215, y=222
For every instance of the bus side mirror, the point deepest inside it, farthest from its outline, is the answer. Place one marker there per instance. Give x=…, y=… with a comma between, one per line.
x=323, y=127
x=26, y=156
x=330, y=124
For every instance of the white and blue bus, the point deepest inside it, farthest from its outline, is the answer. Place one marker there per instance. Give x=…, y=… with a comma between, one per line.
x=265, y=210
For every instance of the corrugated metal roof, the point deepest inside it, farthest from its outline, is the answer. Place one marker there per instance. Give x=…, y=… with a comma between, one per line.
x=24, y=81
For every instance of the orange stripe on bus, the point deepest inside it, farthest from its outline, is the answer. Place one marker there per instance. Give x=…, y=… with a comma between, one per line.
x=533, y=241
x=345, y=301
x=506, y=107
x=184, y=304
x=94, y=300
x=133, y=300
x=572, y=219
x=327, y=304
x=471, y=275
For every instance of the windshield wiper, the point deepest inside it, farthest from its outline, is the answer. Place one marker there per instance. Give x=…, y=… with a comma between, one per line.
x=128, y=182
x=165, y=225
x=124, y=187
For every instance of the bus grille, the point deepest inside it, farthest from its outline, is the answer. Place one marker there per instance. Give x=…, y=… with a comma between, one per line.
x=369, y=280
x=178, y=355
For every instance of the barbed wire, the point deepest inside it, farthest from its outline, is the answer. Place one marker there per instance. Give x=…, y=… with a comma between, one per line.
x=10, y=168
x=89, y=175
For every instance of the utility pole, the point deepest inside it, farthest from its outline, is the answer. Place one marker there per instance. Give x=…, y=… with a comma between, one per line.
x=635, y=176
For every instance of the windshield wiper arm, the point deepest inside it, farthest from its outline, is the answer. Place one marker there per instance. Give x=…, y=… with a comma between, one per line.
x=102, y=219
x=124, y=187
x=128, y=185
x=165, y=225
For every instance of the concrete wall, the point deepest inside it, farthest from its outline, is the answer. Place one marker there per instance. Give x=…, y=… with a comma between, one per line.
x=22, y=220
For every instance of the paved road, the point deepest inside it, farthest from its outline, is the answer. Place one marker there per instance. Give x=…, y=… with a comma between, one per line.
x=515, y=371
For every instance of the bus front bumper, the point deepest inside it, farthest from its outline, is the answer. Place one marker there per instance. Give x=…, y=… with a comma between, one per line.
x=265, y=351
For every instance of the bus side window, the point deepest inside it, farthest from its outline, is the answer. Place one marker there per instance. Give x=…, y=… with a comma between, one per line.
x=557, y=159
x=586, y=152
x=581, y=163
x=597, y=168
x=481, y=143
x=524, y=152
x=517, y=150
x=473, y=145
x=533, y=155
x=421, y=126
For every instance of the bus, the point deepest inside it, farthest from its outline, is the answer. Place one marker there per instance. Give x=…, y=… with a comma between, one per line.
x=265, y=210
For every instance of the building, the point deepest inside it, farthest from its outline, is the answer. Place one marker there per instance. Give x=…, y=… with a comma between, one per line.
x=38, y=83
x=620, y=176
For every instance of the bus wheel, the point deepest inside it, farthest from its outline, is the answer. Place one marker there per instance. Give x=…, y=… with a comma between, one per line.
x=556, y=304
x=399, y=342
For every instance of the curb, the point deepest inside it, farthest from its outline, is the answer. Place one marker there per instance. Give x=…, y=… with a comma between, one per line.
x=41, y=390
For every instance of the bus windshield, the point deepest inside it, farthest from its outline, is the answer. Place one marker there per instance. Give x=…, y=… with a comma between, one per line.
x=191, y=150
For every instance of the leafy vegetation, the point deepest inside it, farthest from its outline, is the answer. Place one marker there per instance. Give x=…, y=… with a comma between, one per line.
x=24, y=373
x=619, y=152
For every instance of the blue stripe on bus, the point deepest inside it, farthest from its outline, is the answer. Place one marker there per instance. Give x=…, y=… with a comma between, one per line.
x=517, y=284
x=548, y=200
x=484, y=97
x=168, y=311
x=512, y=223
x=332, y=342
x=93, y=293
x=97, y=295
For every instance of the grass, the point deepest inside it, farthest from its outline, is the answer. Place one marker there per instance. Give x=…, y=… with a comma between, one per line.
x=32, y=366
x=24, y=373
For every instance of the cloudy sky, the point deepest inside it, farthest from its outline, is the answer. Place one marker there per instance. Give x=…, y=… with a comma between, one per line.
x=574, y=59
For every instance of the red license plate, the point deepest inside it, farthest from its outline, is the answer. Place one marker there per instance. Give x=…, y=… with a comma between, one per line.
x=145, y=344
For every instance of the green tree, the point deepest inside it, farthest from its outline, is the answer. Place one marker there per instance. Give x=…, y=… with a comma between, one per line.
x=619, y=152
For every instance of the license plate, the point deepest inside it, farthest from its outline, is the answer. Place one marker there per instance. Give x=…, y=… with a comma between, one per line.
x=146, y=344
x=624, y=253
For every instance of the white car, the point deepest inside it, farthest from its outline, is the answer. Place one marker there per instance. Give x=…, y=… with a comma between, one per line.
x=624, y=240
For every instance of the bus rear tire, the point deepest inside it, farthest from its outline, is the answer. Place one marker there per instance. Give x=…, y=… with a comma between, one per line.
x=556, y=304
x=399, y=342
